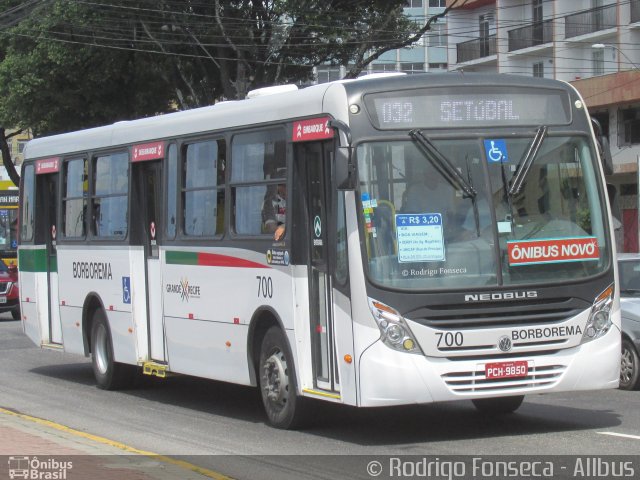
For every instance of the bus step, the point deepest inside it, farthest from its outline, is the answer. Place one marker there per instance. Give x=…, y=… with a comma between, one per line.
x=51, y=346
x=154, y=369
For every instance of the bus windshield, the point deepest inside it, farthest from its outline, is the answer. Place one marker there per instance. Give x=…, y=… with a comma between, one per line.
x=8, y=221
x=422, y=230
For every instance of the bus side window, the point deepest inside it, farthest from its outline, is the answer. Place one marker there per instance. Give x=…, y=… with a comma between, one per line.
x=203, y=182
x=258, y=165
x=74, y=199
x=110, y=195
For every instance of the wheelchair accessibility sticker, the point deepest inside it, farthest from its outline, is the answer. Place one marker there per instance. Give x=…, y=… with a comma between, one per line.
x=496, y=151
x=126, y=290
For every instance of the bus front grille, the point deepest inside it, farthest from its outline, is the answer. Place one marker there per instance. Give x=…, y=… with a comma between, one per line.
x=476, y=381
x=498, y=314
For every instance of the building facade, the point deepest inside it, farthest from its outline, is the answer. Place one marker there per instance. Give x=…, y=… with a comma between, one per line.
x=593, y=44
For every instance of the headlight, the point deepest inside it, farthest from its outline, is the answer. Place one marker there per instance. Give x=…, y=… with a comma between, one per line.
x=394, y=330
x=599, y=321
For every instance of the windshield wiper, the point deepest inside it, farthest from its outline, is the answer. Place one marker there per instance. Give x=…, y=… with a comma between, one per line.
x=525, y=164
x=474, y=201
x=443, y=164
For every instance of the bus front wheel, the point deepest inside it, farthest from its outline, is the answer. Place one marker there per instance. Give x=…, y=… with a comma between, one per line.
x=109, y=374
x=278, y=383
x=498, y=406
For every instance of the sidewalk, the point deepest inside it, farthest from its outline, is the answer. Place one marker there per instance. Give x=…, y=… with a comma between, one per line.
x=34, y=448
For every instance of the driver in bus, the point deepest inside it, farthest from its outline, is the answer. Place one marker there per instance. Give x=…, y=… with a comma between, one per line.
x=274, y=210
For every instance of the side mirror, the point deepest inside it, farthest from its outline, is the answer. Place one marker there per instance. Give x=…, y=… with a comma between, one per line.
x=603, y=148
x=345, y=169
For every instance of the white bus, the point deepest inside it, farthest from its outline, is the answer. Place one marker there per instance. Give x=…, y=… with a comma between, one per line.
x=446, y=237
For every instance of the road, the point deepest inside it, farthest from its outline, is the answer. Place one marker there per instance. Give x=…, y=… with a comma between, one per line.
x=200, y=418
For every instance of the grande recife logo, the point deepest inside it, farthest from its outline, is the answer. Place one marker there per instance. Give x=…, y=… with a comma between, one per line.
x=531, y=252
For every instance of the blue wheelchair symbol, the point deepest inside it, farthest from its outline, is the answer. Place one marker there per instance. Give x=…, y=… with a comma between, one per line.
x=496, y=151
x=126, y=290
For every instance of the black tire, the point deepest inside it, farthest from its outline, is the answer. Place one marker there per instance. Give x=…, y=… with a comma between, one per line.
x=110, y=375
x=499, y=405
x=277, y=381
x=15, y=313
x=629, y=364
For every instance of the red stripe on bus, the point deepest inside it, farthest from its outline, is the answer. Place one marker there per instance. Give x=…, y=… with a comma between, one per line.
x=216, y=260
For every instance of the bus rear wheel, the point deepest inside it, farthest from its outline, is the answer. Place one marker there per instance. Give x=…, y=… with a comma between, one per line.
x=498, y=406
x=278, y=383
x=109, y=374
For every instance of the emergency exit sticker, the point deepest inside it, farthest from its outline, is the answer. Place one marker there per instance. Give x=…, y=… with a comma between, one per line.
x=531, y=252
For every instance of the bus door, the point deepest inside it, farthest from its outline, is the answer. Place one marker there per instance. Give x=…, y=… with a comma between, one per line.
x=47, y=184
x=148, y=187
x=313, y=174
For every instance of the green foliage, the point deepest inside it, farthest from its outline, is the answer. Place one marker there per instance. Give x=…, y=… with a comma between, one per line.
x=66, y=65
x=53, y=80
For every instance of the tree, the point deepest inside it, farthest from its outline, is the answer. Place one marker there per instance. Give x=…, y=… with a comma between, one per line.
x=69, y=64
x=53, y=78
x=6, y=155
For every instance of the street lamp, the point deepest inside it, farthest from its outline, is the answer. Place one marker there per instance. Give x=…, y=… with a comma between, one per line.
x=602, y=46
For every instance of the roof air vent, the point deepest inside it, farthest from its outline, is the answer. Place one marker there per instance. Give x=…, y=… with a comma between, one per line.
x=261, y=92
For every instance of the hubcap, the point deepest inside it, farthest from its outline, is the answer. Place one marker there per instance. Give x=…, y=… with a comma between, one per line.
x=274, y=378
x=626, y=366
x=100, y=350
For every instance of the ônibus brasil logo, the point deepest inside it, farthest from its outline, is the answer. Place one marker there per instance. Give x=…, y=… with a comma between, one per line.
x=33, y=467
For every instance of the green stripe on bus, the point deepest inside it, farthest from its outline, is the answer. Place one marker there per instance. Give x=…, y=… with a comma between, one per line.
x=33, y=260
x=210, y=260
x=182, y=258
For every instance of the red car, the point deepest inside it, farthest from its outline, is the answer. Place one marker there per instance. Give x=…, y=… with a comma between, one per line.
x=9, y=293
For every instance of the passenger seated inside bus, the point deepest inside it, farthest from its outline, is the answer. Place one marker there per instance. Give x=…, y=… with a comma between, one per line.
x=274, y=210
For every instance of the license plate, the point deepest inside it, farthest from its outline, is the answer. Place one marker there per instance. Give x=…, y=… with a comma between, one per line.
x=3, y=299
x=506, y=370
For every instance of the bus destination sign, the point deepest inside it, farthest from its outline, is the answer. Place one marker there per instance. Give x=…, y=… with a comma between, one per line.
x=467, y=107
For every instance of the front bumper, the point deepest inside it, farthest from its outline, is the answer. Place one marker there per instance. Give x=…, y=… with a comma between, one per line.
x=388, y=377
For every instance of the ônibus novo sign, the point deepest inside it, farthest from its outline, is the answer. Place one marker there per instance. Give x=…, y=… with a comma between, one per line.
x=575, y=249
